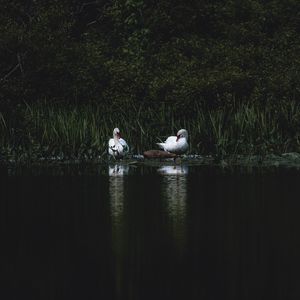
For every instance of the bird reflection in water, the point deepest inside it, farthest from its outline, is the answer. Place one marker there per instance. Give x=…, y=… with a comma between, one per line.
x=116, y=190
x=175, y=195
x=116, y=193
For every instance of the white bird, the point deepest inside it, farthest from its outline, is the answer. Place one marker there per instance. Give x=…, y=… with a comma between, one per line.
x=117, y=147
x=176, y=144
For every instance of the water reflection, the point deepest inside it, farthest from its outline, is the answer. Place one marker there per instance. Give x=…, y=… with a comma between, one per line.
x=175, y=193
x=118, y=170
x=116, y=193
x=117, y=237
x=116, y=190
x=173, y=170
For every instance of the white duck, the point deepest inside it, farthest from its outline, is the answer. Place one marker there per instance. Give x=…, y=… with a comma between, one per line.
x=117, y=147
x=176, y=144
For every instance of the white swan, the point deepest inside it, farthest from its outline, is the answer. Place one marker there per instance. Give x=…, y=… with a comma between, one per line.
x=117, y=147
x=176, y=144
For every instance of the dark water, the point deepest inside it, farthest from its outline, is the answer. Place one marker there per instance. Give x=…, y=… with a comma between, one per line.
x=192, y=233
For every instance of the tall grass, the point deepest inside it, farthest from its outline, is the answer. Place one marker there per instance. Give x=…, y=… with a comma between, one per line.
x=83, y=132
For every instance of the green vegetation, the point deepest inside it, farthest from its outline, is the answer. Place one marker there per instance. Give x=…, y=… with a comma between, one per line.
x=227, y=71
x=83, y=132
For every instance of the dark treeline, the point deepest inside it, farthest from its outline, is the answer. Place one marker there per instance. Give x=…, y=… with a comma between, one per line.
x=134, y=51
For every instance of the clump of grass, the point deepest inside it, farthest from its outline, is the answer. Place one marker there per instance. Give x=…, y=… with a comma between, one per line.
x=83, y=131
x=250, y=129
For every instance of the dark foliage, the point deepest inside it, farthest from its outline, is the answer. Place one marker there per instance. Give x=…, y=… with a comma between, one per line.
x=179, y=52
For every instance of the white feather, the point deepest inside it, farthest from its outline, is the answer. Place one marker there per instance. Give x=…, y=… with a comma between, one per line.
x=174, y=144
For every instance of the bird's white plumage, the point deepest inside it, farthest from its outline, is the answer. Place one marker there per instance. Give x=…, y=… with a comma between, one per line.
x=117, y=147
x=176, y=144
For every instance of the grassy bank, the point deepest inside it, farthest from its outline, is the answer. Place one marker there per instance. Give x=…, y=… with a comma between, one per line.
x=82, y=132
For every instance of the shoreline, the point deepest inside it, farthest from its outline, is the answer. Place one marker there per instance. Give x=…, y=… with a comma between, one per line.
x=290, y=159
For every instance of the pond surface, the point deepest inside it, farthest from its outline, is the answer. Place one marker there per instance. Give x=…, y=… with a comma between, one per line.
x=166, y=232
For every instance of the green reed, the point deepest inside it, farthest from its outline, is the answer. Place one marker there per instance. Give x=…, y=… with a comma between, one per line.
x=83, y=131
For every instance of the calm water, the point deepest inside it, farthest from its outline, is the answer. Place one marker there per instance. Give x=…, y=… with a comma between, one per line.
x=150, y=233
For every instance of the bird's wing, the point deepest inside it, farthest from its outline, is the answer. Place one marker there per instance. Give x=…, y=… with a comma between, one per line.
x=124, y=144
x=112, y=149
x=111, y=143
x=171, y=140
x=161, y=145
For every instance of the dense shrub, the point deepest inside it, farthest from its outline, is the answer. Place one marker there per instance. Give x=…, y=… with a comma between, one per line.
x=182, y=53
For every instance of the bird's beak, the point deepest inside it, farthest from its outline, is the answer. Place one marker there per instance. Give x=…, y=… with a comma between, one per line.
x=119, y=135
x=178, y=137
